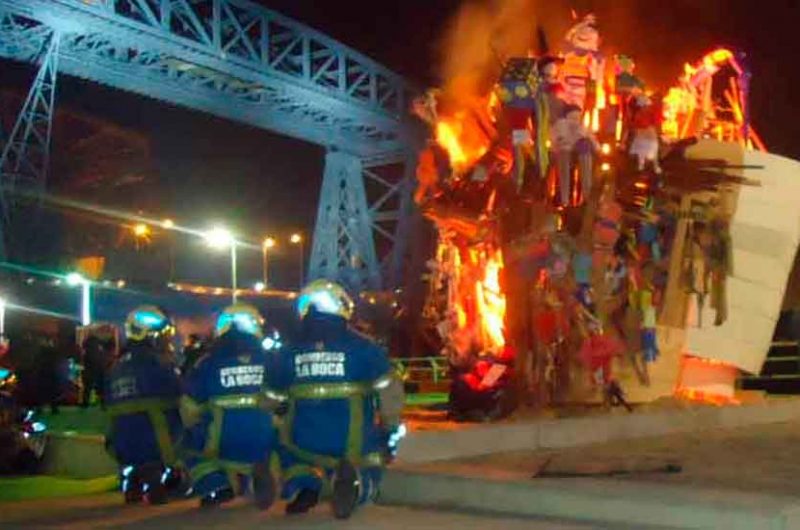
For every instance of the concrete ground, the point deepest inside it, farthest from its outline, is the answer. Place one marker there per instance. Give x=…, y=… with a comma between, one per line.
x=762, y=459
x=106, y=511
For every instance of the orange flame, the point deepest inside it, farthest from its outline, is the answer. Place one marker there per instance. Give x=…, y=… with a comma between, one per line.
x=689, y=109
x=462, y=138
x=491, y=302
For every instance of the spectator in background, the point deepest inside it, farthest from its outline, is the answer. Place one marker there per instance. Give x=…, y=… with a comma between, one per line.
x=51, y=374
x=192, y=352
x=96, y=362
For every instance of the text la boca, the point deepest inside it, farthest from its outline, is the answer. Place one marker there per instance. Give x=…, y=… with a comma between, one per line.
x=249, y=375
x=319, y=364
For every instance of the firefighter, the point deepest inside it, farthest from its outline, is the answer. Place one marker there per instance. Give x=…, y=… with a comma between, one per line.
x=230, y=437
x=344, y=405
x=143, y=396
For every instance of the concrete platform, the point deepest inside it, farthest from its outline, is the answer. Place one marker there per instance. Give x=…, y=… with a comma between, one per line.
x=435, y=445
x=742, y=478
x=84, y=456
x=598, y=502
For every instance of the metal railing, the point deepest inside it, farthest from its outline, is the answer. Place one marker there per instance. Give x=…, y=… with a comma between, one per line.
x=420, y=369
x=767, y=371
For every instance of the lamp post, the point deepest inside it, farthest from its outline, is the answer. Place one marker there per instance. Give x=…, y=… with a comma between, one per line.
x=76, y=279
x=297, y=239
x=169, y=224
x=266, y=246
x=2, y=317
x=221, y=238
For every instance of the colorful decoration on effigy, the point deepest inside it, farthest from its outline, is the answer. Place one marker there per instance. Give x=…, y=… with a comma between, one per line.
x=602, y=260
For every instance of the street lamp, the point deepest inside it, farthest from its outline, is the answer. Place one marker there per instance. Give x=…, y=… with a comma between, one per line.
x=297, y=239
x=141, y=234
x=220, y=238
x=169, y=224
x=76, y=279
x=268, y=244
x=2, y=317
x=141, y=230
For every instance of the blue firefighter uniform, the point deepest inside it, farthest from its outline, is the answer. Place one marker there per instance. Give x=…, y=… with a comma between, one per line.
x=332, y=377
x=229, y=437
x=143, y=392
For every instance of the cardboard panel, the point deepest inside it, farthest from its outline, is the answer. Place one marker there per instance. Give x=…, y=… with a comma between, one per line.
x=765, y=231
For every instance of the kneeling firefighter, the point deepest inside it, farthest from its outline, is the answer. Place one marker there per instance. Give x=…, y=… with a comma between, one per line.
x=230, y=437
x=143, y=397
x=344, y=406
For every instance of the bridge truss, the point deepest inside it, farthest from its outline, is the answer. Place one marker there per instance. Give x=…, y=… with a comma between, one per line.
x=240, y=61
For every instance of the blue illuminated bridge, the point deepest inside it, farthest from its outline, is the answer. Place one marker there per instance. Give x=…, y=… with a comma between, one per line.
x=243, y=62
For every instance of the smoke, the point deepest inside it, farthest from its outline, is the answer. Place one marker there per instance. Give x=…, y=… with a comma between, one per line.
x=659, y=36
x=481, y=36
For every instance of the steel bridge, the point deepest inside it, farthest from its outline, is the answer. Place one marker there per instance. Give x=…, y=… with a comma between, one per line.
x=240, y=61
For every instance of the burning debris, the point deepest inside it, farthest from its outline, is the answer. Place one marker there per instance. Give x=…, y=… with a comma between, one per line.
x=555, y=195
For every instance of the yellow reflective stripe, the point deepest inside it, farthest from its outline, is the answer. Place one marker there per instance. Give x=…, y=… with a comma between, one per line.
x=237, y=401
x=141, y=406
x=202, y=469
x=275, y=395
x=330, y=462
x=211, y=449
x=355, y=435
x=191, y=411
x=301, y=470
x=155, y=408
x=328, y=390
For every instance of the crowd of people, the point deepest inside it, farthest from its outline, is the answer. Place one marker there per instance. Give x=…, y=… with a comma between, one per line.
x=322, y=411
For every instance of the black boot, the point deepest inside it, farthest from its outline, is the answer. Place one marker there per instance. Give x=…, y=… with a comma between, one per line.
x=304, y=501
x=157, y=494
x=215, y=498
x=345, y=490
x=263, y=486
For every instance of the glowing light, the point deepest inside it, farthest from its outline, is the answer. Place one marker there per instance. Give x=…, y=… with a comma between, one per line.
x=168, y=224
x=75, y=279
x=2, y=316
x=464, y=145
x=141, y=230
x=492, y=302
x=296, y=239
x=268, y=243
x=219, y=238
x=605, y=167
x=121, y=284
x=259, y=287
x=606, y=149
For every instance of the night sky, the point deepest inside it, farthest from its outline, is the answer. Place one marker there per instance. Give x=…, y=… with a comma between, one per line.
x=202, y=168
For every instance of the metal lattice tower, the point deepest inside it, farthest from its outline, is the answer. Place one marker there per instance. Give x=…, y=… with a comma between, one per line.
x=240, y=61
x=25, y=161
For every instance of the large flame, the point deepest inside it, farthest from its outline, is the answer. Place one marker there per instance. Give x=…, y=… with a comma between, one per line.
x=463, y=139
x=491, y=302
x=475, y=295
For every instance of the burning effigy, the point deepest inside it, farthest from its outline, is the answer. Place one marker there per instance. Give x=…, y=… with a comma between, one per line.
x=558, y=194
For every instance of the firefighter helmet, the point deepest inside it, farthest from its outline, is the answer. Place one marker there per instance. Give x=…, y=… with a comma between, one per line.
x=243, y=317
x=148, y=322
x=327, y=297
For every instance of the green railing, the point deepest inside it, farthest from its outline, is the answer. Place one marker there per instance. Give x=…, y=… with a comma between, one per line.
x=419, y=369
